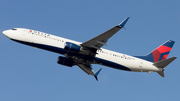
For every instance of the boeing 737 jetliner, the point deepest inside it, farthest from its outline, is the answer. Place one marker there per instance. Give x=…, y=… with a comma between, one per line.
x=91, y=52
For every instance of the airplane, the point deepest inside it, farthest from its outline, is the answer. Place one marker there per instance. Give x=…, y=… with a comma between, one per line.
x=83, y=54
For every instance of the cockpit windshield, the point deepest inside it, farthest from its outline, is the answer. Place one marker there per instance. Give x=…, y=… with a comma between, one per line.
x=14, y=29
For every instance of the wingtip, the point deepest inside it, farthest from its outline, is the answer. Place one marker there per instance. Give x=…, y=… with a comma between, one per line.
x=124, y=22
x=96, y=77
x=96, y=73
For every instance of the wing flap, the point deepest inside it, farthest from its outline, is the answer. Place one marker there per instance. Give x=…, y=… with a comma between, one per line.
x=86, y=69
x=89, y=71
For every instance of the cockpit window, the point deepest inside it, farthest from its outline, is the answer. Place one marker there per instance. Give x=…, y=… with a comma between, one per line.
x=14, y=29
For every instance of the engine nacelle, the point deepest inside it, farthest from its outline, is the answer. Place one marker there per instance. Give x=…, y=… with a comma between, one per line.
x=65, y=61
x=72, y=47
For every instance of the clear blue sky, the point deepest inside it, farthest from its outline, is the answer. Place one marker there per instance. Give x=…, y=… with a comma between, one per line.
x=29, y=74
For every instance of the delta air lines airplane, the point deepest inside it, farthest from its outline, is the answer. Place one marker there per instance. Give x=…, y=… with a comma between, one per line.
x=91, y=52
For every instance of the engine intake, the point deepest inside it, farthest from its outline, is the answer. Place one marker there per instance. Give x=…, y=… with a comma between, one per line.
x=65, y=61
x=72, y=47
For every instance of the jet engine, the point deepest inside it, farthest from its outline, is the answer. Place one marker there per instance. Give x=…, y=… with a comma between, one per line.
x=65, y=61
x=72, y=47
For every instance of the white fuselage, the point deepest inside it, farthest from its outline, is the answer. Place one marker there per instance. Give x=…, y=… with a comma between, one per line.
x=104, y=56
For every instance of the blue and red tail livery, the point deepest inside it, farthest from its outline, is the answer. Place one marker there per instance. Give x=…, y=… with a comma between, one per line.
x=160, y=53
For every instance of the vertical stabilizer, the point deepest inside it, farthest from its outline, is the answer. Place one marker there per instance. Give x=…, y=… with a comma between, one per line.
x=160, y=53
x=161, y=73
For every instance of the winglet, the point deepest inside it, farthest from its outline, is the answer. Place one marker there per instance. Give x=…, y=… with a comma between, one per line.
x=96, y=73
x=123, y=22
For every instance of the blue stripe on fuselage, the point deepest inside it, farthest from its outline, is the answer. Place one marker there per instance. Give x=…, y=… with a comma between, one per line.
x=62, y=51
x=45, y=47
x=111, y=64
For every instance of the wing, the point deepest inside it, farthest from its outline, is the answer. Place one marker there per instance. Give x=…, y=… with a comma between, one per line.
x=88, y=70
x=91, y=46
x=97, y=42
x=86, y=67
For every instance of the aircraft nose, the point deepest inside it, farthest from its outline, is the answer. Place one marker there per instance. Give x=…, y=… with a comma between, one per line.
x=7, y=33
x=4, y=32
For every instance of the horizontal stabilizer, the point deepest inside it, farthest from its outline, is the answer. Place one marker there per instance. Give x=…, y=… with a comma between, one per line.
x=161, y=73
x=164, y=63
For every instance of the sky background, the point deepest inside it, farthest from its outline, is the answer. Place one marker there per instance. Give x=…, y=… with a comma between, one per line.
x=29, y=74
